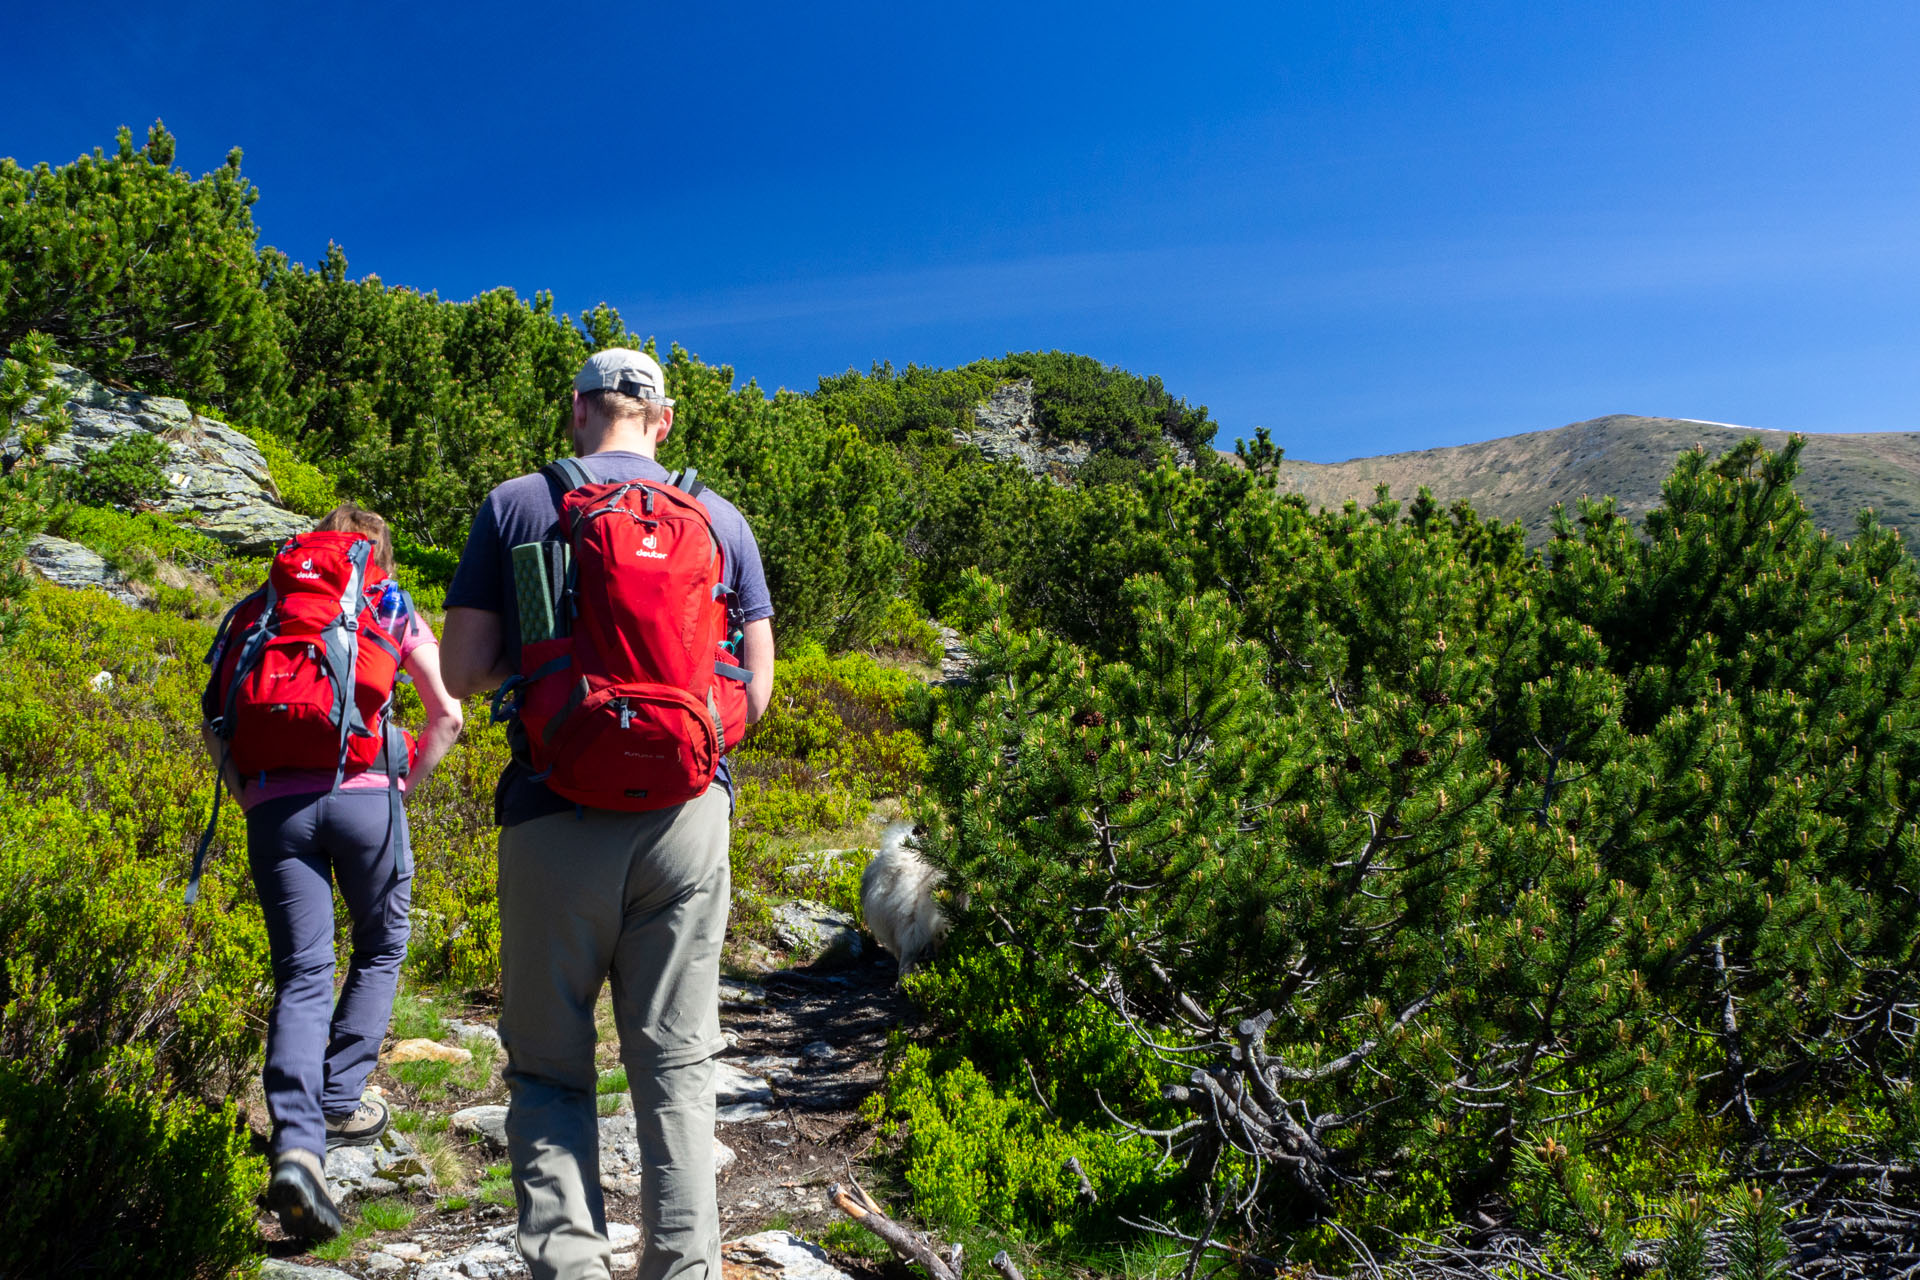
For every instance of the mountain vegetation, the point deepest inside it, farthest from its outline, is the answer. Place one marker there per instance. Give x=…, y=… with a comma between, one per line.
x=1336, y=885
x=1524, y=477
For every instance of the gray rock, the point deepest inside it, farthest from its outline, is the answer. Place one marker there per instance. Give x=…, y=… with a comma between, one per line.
x=619, y=1155
x=743, y=1113
x=741, y=994
x=778, y=1255
x=384, y=1264
x=620, y=1235
x=811, y=932
x=216, y=476
x=473, y=1031
x=723, y=1155
x=777, y=1070
x=493, y=1256
x=818, y=1051
x=68, y=564
x=731, y=1085
x=956, y=660
x=355, y=1173
x=1005, y=429
x=281, y=1269
x=489, y=1124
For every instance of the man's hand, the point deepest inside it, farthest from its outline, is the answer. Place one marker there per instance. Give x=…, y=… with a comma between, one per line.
x=472, y=656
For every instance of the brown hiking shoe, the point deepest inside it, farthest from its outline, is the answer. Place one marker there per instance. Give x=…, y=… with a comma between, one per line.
x=362, y=1128
x=298, y=1194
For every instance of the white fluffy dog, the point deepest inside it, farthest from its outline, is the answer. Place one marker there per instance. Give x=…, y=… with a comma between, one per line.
x=896, y=897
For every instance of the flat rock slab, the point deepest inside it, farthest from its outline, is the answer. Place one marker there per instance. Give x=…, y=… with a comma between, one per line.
x=743, y=1113
x=776, y=1255
x=280, y=1269
x=428, y=1051
x=492, y=1257
x=68, y=564
x=488, y=1124
x=814, y=933
x=385, y=1167
x=731, y=1085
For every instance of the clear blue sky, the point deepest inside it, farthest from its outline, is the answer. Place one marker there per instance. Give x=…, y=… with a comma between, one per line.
x=1367, y=227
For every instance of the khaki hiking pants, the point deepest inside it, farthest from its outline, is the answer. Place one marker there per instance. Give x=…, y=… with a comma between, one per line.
x=640, y=897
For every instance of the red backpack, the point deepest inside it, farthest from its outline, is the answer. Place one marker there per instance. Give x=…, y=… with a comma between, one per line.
x=636, y=700
x=302, y=673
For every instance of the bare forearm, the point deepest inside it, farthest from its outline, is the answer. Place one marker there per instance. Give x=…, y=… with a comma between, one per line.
x=473, y=658
x=756, y=655
x=435, y=741
x=444, y=718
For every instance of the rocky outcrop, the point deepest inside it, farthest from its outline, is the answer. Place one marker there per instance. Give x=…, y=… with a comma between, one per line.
x=68, y=564
x=217, y=479
x=1005, y=429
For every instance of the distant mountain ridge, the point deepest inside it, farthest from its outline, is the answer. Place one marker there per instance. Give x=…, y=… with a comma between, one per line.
x=1523, y=477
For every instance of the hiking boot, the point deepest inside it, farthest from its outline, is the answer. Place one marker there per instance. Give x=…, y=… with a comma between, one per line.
x=298, y=1194
x=362, y=1128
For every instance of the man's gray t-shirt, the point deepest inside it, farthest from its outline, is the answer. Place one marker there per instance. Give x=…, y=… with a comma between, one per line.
x=525, y=510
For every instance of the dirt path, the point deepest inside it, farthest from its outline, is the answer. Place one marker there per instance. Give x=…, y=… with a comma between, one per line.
x=832, y=1029
x=816, y=1038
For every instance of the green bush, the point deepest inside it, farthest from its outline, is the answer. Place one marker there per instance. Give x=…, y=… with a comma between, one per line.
x=25, y=489
x=116, y=1180
x=127, y=474
x=120, y=1010
x=975, y=1154
x=1483, y=835
x=830, y=746
x=300, y=485
x=140, y=272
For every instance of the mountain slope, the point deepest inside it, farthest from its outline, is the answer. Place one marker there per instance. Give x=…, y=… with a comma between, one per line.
x=1522, y=477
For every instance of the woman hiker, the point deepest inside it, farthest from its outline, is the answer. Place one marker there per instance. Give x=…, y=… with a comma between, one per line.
x=315, y=820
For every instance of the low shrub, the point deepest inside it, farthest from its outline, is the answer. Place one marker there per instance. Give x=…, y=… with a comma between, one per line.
x=301, y=486
x=106, y=1179
x=126, y=474
x=974, y=1154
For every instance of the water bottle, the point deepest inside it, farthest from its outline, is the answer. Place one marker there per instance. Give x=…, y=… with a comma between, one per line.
x=391, y=612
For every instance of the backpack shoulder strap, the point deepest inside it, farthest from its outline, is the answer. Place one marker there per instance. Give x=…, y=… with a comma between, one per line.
x=568, y=474
x=686, y=482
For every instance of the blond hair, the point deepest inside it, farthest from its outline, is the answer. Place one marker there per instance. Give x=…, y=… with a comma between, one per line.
x=608, y=406
x=351, y=517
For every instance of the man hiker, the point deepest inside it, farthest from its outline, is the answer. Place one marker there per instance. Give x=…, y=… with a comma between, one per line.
x=298, y=722
x=624, y=613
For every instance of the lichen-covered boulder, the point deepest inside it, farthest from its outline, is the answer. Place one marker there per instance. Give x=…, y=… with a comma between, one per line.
x=217, y=479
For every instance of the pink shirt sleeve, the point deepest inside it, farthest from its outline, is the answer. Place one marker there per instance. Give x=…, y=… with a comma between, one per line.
x=417, y=634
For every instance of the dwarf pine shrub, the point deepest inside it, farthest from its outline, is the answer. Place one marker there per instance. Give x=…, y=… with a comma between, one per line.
x=1602, y=850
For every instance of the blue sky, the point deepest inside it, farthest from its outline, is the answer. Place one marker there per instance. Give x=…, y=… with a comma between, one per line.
x=1366, y=227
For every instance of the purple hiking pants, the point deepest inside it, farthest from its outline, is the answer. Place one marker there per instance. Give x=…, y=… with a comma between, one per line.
x=319, y=1051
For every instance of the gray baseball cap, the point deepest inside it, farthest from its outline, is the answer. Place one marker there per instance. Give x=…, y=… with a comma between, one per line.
x=631, y=373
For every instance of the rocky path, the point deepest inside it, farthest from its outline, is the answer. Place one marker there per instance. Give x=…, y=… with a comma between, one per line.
x=804, y=1052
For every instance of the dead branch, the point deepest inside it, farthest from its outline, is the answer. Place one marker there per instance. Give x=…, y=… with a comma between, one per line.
x=1086, y=1196
x=1004, y=1265
x=907, y=1245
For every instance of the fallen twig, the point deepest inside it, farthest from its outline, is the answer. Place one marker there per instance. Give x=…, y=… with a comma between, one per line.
x=1004, y=1265
x=908, y=1245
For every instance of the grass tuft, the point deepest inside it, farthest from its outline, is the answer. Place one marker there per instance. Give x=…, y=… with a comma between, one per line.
x=416, y=1018
x=389, y=1214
